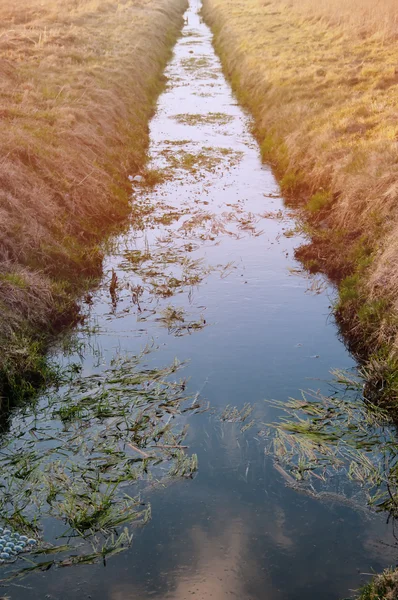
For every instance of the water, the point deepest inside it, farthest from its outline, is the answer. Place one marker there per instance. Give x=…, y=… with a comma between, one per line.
x=252, y=326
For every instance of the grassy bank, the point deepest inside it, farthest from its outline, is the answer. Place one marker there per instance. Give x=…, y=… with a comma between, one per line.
x=321, y=82
x=78, y=82
x=382, y=587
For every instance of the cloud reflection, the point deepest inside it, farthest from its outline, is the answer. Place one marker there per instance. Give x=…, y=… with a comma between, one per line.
x=222, y=568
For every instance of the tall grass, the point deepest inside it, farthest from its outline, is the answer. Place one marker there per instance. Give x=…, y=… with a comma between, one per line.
x=360, y=16
x=78, y=81
x=323, y=88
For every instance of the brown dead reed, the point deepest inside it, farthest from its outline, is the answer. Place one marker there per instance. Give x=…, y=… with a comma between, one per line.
x=78, y=81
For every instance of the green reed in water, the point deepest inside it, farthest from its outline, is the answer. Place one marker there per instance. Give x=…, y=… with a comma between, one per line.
x=324, y=435
x=78, y=454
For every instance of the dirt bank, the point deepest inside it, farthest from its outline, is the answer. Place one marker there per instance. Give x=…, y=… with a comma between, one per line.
x=323, y=92
x=78, y=81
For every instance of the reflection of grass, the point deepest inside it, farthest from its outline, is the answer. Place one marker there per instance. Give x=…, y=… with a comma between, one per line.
x=154, y=177
x=321, y=436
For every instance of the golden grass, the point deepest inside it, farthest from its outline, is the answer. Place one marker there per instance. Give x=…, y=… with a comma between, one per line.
x=78, y=80
x=362, y=17
x=325, y=107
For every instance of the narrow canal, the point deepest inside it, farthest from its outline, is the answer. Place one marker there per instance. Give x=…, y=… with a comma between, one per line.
x=206, y=274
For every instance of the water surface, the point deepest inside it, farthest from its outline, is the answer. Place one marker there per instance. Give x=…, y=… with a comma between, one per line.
x=209, y=277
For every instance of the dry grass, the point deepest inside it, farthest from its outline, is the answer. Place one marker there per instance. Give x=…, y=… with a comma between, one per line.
x=382, y=587
x=78, y=80
x=325, y=106
x=361, y=17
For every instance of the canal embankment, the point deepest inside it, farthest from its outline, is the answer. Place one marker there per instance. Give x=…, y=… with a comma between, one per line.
x=323, y=90
x=79, y=81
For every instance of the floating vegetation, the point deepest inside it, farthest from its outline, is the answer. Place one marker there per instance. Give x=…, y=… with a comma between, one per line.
x=317, y=285
x=175, y=319
x=177, y=142
x=233, y=414
x=277, y=215
x=201, y=67
x=98, y=551
x=191, y=33
x=167, y=218
x=207, y=226
x=210, y=118
x=194, y=63
x=78, y=454
x=322, y=436
x=290, y=233
x=248, y=223
x=207, y=159
x=154, y=268
x=136, y=257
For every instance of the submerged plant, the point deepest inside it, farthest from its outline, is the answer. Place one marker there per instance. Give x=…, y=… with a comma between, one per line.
x=235, y=414
x=340, y=433
x=78, y=454
x=175, y=319
x=211, y=118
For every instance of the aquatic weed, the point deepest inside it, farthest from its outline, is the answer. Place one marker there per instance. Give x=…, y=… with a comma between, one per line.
x=77, y=454
x=321, y=436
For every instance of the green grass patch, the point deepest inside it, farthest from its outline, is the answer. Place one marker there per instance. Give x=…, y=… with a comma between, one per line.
x=14, y=279
x=318, y=201
x=349, y=290
x=382, y=587
x=291, y=182
x=372, y=312
x=25, y=369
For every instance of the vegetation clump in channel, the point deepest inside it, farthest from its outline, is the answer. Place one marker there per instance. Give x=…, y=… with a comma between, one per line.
x=78, y=82
x=321, y=82
x=340, y=441
x=79, y=460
